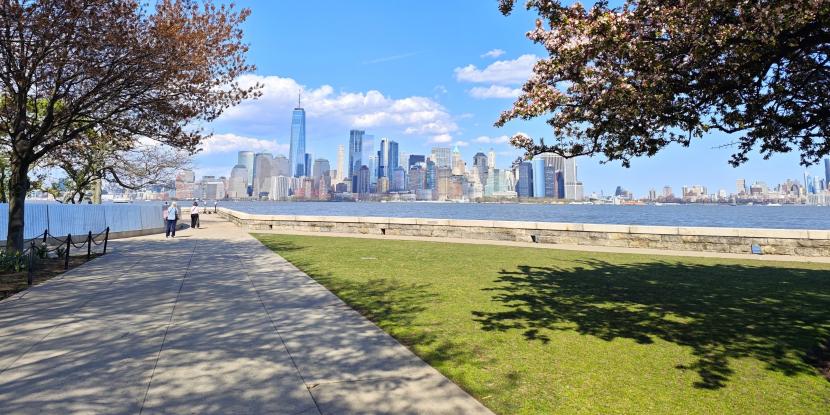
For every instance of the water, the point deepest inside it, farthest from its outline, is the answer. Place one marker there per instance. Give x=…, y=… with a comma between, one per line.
x=776, y=217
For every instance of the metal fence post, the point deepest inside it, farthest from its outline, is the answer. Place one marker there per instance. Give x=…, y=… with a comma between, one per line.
x=45, y=233
x=68, y=246
x=106, y=238
x=31, y=264
x=89, y=245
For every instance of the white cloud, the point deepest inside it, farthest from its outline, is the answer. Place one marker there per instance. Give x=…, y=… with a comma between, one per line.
x=461, y=143
x=230, y=143
x=494, y=91
x=441, y=138
x=334, y=113
x=495, y=53
x=507, y=72
x=502, y=139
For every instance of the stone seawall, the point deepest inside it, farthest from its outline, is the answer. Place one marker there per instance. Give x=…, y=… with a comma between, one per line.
x=725, y=240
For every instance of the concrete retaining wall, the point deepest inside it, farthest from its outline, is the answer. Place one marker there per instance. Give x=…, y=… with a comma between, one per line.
x=725, y=240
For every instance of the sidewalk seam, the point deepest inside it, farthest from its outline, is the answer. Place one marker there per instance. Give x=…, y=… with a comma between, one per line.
x=166, y=330
x=276, y=330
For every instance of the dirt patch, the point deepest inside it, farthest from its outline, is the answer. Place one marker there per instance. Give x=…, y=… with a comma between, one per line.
x=14, y=282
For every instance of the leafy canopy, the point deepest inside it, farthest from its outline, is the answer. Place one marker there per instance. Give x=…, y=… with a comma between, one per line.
x=627, y=81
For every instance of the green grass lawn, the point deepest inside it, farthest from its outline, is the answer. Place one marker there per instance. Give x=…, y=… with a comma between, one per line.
x=530, y=331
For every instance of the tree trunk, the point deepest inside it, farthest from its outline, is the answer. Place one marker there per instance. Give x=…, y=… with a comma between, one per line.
x=18, y=188
x=3, y=198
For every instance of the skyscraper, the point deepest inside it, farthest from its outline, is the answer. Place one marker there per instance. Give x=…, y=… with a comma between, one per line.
x=491, y=159
x=387, y=157
x=524, y=187
x=281, y=166
x=296, y=154
x=538, y=165
x=481, y=167
x=246, y=158
x=238, y=183
x=573, y=188
x=321, y=168
x=827, y=172
x=262, y=173
x=307, y=161
x=457, y=162
x=355, y=152
x=341, y=155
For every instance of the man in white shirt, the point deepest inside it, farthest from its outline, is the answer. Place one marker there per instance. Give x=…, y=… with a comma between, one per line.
x=194, y=215
x=171, y=218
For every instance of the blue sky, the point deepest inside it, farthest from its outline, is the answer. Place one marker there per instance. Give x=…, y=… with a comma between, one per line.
x=423, y=73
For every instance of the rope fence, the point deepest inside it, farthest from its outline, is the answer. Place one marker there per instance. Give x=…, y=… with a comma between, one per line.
x=38, y=249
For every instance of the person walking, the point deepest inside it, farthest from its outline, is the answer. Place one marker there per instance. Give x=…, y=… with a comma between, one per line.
x=194, y=215
x=171, y=218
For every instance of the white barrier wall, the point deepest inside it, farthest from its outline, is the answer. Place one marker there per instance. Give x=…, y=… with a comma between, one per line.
x=62, y=219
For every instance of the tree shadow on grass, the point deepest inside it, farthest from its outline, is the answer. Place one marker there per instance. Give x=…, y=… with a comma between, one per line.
x=775, y=315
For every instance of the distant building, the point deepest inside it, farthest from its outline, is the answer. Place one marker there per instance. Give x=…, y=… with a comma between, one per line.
x=262, y=173
x=296, y=154
x=442, y=157
x=363, y=178
x=321, y=168
x=387, y=157
x=415, y=159
x=398, y=182
x=341, y=164
x=238, y=182
x=185, y=181
x=246, y=158
x=355, y=152
x=281, y=166
x=524, y=187
x=538, y=166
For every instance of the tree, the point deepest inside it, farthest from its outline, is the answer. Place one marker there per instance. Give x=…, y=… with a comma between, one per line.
x=129, y=163
x=627, y=81
x=68, y=66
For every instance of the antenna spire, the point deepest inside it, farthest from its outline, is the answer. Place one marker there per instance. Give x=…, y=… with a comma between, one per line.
x=299, y=96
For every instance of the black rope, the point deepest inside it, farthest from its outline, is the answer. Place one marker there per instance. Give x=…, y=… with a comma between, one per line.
x=79, y=246
x=97, y=243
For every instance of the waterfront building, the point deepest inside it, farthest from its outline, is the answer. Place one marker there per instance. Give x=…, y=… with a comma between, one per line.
x=442, y=156
x=740, y=186
x=185, y=181
x=573, y=187
x=341, y=164
x=491, y=159
x=524, y=186
x=238, y=183
x=262, y=173
x=362, y=183
x=280, y=188
x=373, y=171
x=538, y=166
x=383, y=185
x=652, y=195
x=415, y=159
x=493, y=184
x=668, y=193
x=297, y=154
x=442, y=182
x=355, y=152
x=281, y=166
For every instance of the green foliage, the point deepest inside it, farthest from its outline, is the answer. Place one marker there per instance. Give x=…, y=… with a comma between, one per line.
x=541, y=331
x=627, y=81
x=13, y=261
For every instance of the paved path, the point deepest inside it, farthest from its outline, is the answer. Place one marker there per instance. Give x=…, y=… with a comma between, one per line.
x=209, y=322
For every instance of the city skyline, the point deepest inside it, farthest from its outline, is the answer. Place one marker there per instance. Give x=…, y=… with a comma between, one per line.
x=424, y=90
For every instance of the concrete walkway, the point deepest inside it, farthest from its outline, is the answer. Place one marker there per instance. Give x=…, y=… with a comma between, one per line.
x=210, y=322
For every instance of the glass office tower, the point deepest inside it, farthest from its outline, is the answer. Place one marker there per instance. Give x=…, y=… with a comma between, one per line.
x=296, y=155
